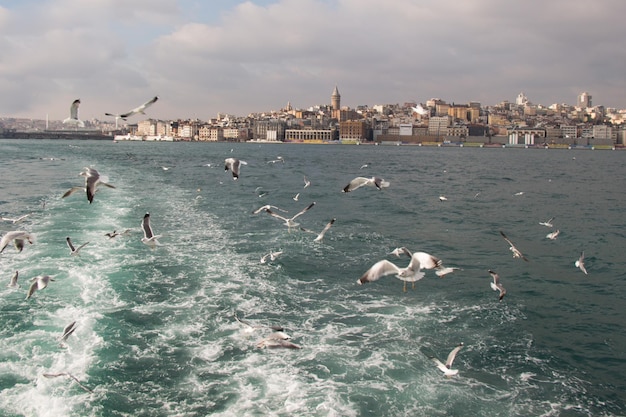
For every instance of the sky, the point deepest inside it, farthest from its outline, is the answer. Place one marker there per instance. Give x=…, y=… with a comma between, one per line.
x=238, y=57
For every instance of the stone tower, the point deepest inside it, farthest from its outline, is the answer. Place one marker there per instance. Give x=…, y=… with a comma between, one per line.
x=335, y=99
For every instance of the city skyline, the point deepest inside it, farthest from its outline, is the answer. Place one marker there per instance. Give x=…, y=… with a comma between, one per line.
x=256, y=56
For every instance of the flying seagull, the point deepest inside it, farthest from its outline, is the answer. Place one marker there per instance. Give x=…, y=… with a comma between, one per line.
x=553, y=235
x=267, y=207
x=496, y=286
x=73, y=250
x=272, y=256
x=70, y=376
x=13, y=282
x=306, y=182
x=359, y=182
x=93, y=180
x=447, y=367
x=420, y=110
x=149, y=238
x=134, y=111
x=442, y=271
x=512, y=248
x=547, y=223
x=411, y=273
x=233, y=164
x=115, y=233
x=15, y=220
x=252, y=327
x=19, y=238
x=580, y=263
x=73, y=119
x=67, y=331
x=39, y=283
x=291, y=221
x=277, y=340
x=320, y=235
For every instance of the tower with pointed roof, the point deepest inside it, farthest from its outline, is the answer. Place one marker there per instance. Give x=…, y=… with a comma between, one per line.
x=335, y=99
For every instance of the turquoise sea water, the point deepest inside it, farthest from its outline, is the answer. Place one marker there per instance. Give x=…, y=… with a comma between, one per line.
x=156, y=334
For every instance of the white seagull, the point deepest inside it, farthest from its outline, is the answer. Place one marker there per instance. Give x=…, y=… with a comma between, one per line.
x=38, y=283
x=272, y=256
x=547, y=223
x=442, y=271
x=137, y=110
x=291, y=221
x=19, y=238
x=15, y=220
x=496, y=286
x=306, y=182
x=553, y=235
x=73, y=119
x=266, y=207
x=13, y=282
x=443, y=198
x=447, y=367
x=420, y=110
x=320, y=235
x=252, y=327
x=70, y=376
x=580, y=263
x=233, y=164
x=359, y=182
x=411, y=273
x=93, y=180
x=115, y=233
x=67, y=331
x=512, y=248
x=277, y=340
x=73, y=250
x=296, y=197
x=149, y=238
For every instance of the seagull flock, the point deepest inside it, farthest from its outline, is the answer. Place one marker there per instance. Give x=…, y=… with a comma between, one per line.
x=419, y=261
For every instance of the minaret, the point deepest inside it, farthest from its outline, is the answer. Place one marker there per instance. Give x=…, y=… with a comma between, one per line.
x=335, y=99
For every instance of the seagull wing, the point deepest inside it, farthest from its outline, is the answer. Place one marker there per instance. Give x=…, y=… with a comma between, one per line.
x=303, y=211
x=357, y=182
x=452, y=355
x=69, y=244
x=72, y=191
x=379, y=269
x=140, y=109
x=145, y=225
x=320, y=236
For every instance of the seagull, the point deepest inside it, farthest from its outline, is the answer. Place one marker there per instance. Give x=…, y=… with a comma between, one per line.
x=399, y=251
x=67, y=331
x=277, y=340
x=267, y=207
x=278, y=159
x=290, y=222
x=443, y=198
x=580, y=263
x=70, y=376
x=115, y=233
x=13, y=282
x=512, y=248
x=272, y=256
x=359, y=182
x=321, y=234
x=553, y=235
x=295, y=197
x=411, y=273
x=519, y=193
x=93, y=179
x=38, y=283
x=364, y=166
x=233, y=164
x=74, y=251
x=15, y=220
x=252, y=327
x=496, y=286
x=73, y=119
x=306, y=182
x=446, y=368
x=547, y=223
x=149, y=238
x=420, y=110
x=19, y=237
x=134, y=111
x=442, y=271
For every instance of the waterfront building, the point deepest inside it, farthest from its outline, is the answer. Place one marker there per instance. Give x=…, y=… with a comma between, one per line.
x=584, y=100
x=308, y=135
x=438, y=125
x=357, y=130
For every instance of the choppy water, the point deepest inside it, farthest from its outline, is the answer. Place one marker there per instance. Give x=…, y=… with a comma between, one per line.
x=156, y=334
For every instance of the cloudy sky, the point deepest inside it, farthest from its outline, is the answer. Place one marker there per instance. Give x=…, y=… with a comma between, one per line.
x=204, y=57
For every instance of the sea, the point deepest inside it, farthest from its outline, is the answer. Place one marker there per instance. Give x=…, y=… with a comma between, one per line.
x=174, y=330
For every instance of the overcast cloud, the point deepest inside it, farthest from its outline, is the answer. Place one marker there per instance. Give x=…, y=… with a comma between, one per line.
x=202, y=58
